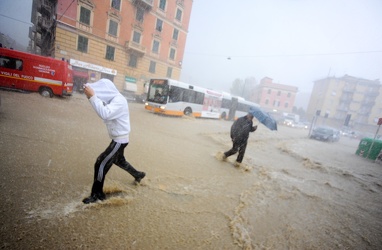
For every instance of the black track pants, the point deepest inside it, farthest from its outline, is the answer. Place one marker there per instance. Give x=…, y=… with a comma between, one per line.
x=112, y=154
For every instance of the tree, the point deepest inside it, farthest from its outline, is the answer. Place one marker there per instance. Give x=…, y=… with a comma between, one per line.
x=244, y=88
x=237, y=87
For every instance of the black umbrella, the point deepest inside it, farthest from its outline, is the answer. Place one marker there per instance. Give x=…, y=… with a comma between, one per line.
x=263, y=117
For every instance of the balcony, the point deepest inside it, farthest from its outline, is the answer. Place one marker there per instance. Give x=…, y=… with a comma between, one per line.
x=46, y=7
x=137, y=48
x=145, y=4
x=38, y=41
x=349, y=89
x=45, y=23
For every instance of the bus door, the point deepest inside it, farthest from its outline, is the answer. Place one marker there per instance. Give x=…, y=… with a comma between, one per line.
x=232, y=108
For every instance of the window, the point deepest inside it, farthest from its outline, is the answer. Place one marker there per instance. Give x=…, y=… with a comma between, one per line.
x=116, y=4
x=175, y=34
x=226, y=104
x=85, y=16
x=162, y=4
x=155, y=47
x=178, y=15
x=82, y=44
x=113, y=28
x=269, y=91
x=11, y=63
x=152, y=66
x=133, y=61
x=137, y=37
x=139, y=15
x=279, y=93
x=178, y=94
x=110, y=53
x=169, y=72
x=159, y=25
x=286, y=105
x=172, y=54
x=266, y=101
x=289, y=94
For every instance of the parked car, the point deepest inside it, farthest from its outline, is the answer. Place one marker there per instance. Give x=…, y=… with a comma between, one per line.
x=325, y=134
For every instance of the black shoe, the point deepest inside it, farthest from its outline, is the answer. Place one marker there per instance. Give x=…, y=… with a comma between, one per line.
x=139, y=176
x=94, y=197
x=101, y=196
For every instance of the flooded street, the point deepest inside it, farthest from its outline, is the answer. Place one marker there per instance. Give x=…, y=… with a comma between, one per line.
x=290, y=193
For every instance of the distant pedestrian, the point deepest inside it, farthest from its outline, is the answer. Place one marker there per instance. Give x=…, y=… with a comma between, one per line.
x=240, y=130
x=113, y=109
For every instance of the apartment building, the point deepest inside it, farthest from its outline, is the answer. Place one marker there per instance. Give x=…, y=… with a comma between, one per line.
x=126, y=41
x=275, y=97
x=346, y=101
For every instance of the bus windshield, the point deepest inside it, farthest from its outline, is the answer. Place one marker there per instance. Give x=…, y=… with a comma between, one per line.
x=158, y=93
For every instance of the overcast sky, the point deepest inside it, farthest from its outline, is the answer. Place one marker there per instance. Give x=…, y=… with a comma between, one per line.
x=294, y=42
x=15, y=19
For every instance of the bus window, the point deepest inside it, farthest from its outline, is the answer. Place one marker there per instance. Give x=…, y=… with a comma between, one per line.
x=176, y=94
x=189, y=96
x=199, y=98
x=11, y=63
x=158, y=93
x=226, y=104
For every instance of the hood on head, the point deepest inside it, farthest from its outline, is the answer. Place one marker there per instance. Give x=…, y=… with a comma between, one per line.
x=104, y=89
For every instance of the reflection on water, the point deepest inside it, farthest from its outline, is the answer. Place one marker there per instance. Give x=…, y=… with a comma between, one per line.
x=290, y=192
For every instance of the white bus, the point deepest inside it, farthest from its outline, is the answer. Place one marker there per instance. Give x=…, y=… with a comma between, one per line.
x=175, y=98
x=234, y=107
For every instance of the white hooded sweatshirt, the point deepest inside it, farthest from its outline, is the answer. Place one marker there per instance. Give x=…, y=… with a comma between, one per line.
x=113, y=109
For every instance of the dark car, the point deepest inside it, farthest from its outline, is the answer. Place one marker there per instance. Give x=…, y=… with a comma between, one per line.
x=325, y=134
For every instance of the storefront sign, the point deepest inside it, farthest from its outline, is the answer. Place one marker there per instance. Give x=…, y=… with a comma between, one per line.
x=130, y=79
x=93, y=67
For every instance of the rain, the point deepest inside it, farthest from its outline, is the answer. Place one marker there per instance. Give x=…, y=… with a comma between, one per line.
x=290, y=192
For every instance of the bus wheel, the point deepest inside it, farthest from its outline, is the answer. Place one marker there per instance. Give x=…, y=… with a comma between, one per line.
x=188, y=111
x=46, y=92
x=223, y=116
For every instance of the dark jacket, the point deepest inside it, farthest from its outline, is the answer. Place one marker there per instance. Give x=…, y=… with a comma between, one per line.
x=241, y=128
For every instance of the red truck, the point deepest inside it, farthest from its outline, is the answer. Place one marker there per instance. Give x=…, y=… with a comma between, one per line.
x=29, y=72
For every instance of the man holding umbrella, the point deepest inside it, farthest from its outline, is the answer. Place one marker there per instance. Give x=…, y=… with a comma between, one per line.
x=240, y=130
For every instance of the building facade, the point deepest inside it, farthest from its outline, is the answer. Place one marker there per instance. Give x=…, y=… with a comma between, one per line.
x=346, y=101
x=275, y=97
x=126, y=41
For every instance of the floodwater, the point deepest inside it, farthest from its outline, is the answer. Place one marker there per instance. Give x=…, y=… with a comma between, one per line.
x=290, y=193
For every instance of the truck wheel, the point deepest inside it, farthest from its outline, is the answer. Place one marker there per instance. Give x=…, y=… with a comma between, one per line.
x=46, y=92
x=223, y=116
x=187, y=111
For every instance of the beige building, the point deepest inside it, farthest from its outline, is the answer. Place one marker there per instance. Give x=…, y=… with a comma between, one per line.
x=346, y=101
x=126, y=41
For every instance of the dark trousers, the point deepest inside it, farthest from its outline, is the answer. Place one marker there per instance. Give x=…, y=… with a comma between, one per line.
x=112, y=155
x=239, y=145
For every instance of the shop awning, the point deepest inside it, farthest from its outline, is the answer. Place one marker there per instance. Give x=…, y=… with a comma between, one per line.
x=80, y=74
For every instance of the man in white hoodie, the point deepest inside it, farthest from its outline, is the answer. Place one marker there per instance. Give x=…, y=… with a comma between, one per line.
x=113, y=109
